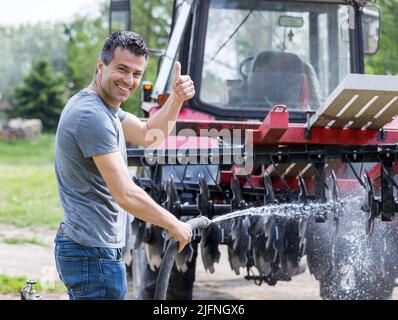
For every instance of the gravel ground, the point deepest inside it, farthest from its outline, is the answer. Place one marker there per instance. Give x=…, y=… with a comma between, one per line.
x=37, y=262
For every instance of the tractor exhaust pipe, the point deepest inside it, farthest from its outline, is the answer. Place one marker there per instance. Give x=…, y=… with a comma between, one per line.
x=170, y=255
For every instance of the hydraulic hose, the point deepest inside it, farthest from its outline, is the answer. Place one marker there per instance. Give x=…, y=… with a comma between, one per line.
x=169, y=257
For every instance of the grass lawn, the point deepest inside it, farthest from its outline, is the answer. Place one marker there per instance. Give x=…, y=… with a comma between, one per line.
x=14, y=284
x=28, y=189
x=14, y=240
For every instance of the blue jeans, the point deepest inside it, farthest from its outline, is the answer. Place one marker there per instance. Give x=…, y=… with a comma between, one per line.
x=90, y=272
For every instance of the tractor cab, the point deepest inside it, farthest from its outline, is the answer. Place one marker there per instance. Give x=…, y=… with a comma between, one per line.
x=246, y=56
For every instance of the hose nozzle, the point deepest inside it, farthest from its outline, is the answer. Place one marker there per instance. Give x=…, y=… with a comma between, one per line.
x=200, y=222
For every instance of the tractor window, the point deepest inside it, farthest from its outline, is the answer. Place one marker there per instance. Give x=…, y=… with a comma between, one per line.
x=258, y=53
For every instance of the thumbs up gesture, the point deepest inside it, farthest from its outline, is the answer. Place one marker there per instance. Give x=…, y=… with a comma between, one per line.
x=183, y=87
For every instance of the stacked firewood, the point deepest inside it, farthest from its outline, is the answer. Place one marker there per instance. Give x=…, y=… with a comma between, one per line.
x=21, y=129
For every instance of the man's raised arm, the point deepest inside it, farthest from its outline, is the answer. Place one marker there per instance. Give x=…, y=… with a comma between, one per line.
x=162, y=121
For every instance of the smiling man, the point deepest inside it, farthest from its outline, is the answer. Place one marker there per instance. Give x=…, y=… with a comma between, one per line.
x=94, y=185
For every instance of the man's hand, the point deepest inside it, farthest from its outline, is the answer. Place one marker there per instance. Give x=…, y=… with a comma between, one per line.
x=183, y=87
x=182, y=232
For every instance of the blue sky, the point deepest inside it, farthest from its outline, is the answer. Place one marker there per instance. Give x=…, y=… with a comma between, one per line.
x=15, y=12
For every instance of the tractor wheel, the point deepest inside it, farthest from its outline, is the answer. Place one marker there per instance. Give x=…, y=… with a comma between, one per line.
x=144, y=279
x=340, y=285
x=352, y=279
x=354, y=266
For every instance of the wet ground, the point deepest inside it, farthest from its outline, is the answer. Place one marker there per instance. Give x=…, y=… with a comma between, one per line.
x=37, y=262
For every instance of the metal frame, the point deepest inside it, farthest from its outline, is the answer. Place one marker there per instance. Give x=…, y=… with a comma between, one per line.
x=384, y=205
x=174, y=42
x=276, y=141
x=305, y=153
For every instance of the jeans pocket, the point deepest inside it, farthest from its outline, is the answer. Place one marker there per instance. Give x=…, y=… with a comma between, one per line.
x=114, y=273
x=73, y=272
x=110, y=254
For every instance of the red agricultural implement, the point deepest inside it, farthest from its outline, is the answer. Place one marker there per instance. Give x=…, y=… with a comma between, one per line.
x=285, y=126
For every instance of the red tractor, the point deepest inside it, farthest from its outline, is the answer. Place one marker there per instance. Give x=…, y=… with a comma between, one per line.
x=283, y=121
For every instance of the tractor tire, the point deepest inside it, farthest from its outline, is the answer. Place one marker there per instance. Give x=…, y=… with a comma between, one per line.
x=353, y=266
x=144, y=279
x=337, y=286
x=350, y=279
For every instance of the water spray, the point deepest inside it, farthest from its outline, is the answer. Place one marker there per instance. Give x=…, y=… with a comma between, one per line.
x=290, y=211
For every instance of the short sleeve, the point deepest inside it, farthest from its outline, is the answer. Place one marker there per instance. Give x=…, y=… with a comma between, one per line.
x=122, y=114
x=96, y=134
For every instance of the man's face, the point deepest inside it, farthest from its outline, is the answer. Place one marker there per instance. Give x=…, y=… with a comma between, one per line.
x=121, y=76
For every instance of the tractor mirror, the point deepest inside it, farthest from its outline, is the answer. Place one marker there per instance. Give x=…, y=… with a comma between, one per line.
x=371, y=29
x=290, y=21
x=119, y=15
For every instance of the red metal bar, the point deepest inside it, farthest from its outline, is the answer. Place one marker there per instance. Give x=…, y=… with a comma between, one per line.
x=267, y=132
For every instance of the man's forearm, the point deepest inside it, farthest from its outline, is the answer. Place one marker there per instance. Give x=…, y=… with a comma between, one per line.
x=165, y=119
x=138, y=203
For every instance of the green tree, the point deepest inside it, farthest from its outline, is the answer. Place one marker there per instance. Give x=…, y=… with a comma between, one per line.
x=40, y=95
x=152, y=20
x=21, y=46
x=386, y=59
x=85, y=39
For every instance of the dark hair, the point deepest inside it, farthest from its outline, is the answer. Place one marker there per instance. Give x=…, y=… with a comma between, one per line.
x=129, y=40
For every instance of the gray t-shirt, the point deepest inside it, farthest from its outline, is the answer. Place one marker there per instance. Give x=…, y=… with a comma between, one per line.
x=89, y=127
